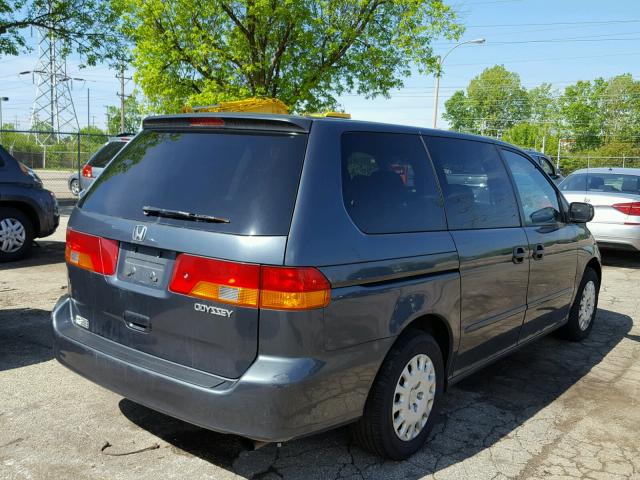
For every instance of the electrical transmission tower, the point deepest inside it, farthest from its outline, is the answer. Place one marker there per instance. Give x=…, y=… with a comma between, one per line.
x=53, y=108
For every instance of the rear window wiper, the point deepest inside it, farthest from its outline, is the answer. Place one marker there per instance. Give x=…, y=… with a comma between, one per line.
x=195, y=217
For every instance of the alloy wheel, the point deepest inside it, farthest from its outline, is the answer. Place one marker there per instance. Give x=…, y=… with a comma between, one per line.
x=12, y=235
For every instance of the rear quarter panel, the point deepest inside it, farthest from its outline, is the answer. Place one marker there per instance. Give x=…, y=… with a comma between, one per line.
x=381, y=283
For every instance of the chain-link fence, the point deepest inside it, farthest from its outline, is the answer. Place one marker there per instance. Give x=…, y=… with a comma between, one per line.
x=570, y=163
x=57, y=157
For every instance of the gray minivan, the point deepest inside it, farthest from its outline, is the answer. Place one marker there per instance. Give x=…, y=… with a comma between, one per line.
x=275, y=276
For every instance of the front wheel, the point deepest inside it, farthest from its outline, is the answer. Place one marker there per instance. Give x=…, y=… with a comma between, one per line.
x=16, y=234
x=404, y=399
x=583, y=311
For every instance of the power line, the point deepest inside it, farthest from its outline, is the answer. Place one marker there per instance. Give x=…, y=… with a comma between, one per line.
x=544, y=24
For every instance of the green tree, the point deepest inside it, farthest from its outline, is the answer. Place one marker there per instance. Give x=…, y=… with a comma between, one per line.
x=620, y=105
x=85, y=26
x=304, y=52
x=581, y=113
x=543, y=101
x=494, y=101
x=132, y=117
x=532, y=135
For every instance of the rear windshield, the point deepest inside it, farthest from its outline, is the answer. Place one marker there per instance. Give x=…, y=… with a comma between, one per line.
x=250, y=179
x=106, y=153
x=602, y=182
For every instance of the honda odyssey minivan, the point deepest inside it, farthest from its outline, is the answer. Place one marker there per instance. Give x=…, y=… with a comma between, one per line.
x=274, y=276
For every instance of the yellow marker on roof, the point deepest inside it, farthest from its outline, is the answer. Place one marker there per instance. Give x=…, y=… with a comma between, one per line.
x=255, y=105
x=330, y=115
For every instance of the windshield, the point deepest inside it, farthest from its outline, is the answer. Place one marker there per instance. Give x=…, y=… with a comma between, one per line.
x=249, y=179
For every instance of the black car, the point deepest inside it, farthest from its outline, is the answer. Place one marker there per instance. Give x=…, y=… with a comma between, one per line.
x=27, y=210
x=547, y=165
x=275, y=276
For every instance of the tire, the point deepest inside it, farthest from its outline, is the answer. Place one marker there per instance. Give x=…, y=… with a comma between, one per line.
x=16, y=234
x=579, y=325
x=376, y=430
x=74, y=186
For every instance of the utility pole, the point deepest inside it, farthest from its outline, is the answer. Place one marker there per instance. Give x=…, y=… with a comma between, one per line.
x=88, y=108
x=52, y=107
x=558, y=159
x=2, y=99
x=122, y=97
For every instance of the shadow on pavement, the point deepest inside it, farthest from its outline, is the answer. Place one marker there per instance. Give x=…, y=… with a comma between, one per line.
x=476, y=414
x=620, y=258
x=25, y=337
x=44, y=252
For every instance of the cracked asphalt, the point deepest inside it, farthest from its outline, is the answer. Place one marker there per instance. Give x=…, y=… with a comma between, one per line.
x=552, y=410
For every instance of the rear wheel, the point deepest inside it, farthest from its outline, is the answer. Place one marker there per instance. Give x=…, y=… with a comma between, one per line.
x=404, y=400
x=16, y=234
x=74, y=186
x=583, y=310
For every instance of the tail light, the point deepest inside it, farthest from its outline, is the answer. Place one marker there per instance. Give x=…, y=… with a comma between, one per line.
x=87, y=171
x=630, y=208
x=206, y=122
x=217, y=280
x=92, y=253
x=250, y=285
x=292, y=288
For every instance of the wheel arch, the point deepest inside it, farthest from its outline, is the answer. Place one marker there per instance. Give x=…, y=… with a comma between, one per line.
x=594, y=264
x=28, y=210
x=438, y=327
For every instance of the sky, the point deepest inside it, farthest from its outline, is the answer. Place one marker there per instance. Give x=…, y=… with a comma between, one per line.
x=554, y=41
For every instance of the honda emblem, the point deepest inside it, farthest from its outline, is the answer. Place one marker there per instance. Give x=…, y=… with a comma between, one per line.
x=139, y=232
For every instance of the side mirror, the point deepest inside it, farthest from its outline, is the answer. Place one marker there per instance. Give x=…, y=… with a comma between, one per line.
x=580, y=212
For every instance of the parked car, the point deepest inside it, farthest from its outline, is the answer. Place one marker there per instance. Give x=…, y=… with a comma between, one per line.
x=275, y=276
x=74, y=183
x=547, y=165
x=94, y=167
x=27, y=211
x=615, y=196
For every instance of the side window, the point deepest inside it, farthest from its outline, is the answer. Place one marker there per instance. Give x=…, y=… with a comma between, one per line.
x=575, y=183
x=547, y=167
x=477, y=189
x=388, y=184
x=538, y=197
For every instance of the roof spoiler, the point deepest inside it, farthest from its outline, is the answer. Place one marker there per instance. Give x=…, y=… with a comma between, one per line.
x=190, y=121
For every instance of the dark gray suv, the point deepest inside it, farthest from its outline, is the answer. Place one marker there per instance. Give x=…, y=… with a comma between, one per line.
x=275, y=276
x=27, y=211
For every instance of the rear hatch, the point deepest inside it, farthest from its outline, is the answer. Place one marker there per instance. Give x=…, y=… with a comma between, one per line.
x=184, y=189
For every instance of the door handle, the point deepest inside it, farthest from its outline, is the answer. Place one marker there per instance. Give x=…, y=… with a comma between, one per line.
x=137, y=322
x=519, y=254
x=538, y=252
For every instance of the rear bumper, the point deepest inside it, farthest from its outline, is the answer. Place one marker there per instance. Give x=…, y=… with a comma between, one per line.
x=612, y=235
x=277, y=398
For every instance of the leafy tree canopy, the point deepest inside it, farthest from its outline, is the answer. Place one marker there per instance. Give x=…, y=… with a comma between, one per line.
x=581, y=113
x=304, y=52
x=132, y=117
x=494, y=101
x=88, y=27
